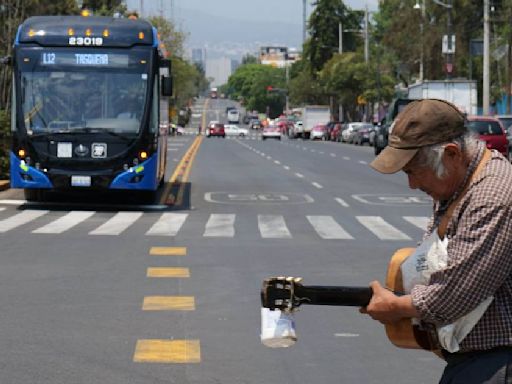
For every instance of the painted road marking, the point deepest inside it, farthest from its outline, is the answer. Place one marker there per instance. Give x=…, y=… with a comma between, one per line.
x=341, y=202
x=168, y=303
x=168, y=251
x=381, y=228
x=19, y=219
x=419, y=221
x=167, y=272
x=167, y=351
x=315, y=184
x=117, y=224
x=220, y=226
x=299, y=175
x=168, y=224
x=328, y=228
x=65, y=222
x=273, y=227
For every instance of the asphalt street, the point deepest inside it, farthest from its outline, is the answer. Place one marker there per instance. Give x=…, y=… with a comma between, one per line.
x=95, y=291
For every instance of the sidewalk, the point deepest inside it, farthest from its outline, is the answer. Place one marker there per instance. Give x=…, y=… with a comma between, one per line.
x=4, y=184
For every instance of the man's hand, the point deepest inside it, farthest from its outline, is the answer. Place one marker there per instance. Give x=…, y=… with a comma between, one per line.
x=386, y=307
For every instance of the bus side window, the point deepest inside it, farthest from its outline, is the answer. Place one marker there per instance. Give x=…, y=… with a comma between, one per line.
x=154, y=118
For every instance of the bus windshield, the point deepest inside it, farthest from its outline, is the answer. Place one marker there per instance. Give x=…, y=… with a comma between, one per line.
x=63, y=91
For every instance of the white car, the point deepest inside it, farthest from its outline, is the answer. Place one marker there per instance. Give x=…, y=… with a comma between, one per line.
x=233, y=116
x=271, y=131
x=235, y=130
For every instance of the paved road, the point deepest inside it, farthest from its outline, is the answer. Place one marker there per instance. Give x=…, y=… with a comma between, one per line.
x=125, y=293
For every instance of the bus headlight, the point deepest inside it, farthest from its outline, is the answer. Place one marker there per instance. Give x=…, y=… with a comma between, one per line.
x=21, y=153
x=143, y=155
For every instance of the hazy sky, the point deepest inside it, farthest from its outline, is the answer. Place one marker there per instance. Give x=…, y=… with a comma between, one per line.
x=210, y=22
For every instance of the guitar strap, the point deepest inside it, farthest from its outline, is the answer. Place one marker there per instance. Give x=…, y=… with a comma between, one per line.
x=443, y=224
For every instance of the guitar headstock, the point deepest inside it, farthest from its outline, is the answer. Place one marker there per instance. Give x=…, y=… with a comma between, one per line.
x=280, y=292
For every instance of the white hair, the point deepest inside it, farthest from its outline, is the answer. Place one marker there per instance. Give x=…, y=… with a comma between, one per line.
x=432, y=155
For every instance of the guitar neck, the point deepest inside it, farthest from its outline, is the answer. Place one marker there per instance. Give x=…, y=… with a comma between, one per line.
x=333, y=295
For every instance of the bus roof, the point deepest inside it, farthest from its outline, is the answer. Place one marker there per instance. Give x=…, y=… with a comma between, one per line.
x=94, y=31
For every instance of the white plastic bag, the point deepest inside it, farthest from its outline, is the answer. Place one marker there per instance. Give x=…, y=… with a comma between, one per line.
x=277, y=328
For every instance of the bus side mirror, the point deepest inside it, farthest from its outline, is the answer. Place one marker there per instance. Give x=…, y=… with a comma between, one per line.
x=166, y=86
x=165, y=63
x=6, y=60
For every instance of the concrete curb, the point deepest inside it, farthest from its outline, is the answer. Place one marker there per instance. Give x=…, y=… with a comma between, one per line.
x=4, y=184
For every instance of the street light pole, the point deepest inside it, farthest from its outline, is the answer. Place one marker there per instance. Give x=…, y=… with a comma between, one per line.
x=422, y=37
x=486, y=82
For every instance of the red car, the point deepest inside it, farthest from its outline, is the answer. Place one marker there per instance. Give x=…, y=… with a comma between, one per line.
x=215, y=129
x=491, y=131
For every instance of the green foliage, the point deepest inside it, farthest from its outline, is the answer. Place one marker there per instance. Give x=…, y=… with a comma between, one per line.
x=249, y=83
x=5, y=135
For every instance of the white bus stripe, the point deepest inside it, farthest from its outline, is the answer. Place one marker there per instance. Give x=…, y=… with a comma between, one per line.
x=168, y=224
x=117, y=224
x=2, y=208
x=420, y=221
x=20, y=219
x=65, y=222
x=328, y=228
x=381, y=228
x=220, y=225
x=273, y=227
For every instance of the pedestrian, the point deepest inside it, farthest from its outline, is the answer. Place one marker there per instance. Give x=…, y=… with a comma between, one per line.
x=471, y=227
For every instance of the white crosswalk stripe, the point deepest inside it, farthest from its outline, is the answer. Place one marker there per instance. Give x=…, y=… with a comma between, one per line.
x=273, y=227
x=420, y=221
x=328, y=228
x=168, y=224
x=220, y=225
x=380, y=228
x=215, y=225
x=65, y=222
x=20, y=219
x=117, y=224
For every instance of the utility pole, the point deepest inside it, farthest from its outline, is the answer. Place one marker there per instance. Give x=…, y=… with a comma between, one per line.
x=486, y=82
x=304, y=21
x=340, y=38
x=366, y=36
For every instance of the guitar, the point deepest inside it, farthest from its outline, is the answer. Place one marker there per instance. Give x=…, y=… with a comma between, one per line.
x=288, y=293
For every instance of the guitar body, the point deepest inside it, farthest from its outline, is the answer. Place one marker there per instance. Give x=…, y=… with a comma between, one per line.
x=404, y=333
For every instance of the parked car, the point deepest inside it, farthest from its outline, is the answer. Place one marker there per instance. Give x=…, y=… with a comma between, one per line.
x=382, y=133
x=235, y=130
x=319, y=131
x=362, y=135
x=271, y=131
x=215, y=129
x=347, y=135
x=506, y=121
x=490, y=130
x=331, y=125
x=509, y=138
x=335, y=134
x=233, y=116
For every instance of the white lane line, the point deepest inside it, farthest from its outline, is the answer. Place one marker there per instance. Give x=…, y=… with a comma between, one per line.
x=220, y=225
x=175, y=144
x=168, y=224
x=13, y=202
x=65, y=222
x=362, y=162
x=341, y=201
x=346, y=158
x=381, y=228
x=419, y=221
x=172, y=149
x=117, y=224
x=328, y=228
x=346, y=334
x=273, y=227
x=286, y=167
x=20, y=219
x=333, y=154
x=277, y=162
x=321, y=153
x=299, y=175
x=269, y=157
x=315, y=184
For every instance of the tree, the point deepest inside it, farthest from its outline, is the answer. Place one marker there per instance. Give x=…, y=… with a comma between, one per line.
x=323, y=30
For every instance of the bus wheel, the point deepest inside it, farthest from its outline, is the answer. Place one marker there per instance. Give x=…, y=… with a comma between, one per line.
x=33, y=194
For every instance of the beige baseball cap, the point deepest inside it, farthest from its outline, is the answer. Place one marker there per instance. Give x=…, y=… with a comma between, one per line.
x=421, y=123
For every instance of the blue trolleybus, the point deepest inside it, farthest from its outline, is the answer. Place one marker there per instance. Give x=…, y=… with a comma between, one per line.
x=90, y=108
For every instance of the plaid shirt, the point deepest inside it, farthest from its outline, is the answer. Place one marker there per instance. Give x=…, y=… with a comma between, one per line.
x=479, y=261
